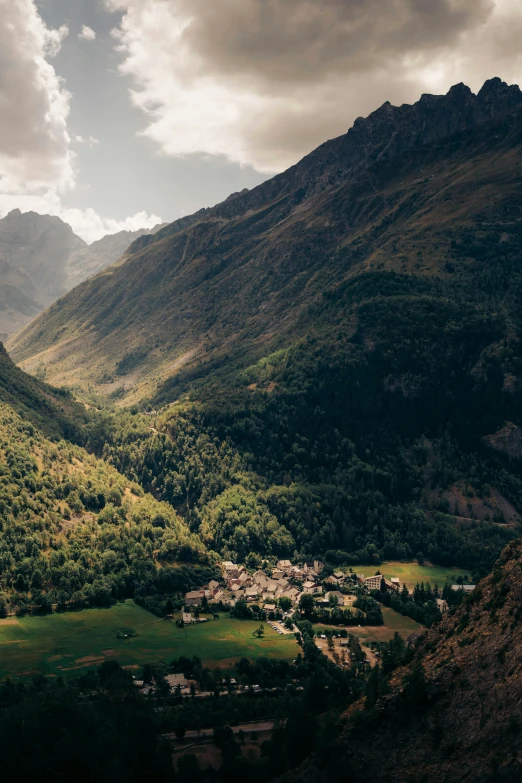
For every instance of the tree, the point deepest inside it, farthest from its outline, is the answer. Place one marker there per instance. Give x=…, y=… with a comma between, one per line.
x=192, y=689
x=180, y=731
x=285, y=603
x=259, y=632
x=306, y=604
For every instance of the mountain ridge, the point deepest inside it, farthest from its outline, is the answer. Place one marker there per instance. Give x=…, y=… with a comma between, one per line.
x=262, y=254
x=45, y=259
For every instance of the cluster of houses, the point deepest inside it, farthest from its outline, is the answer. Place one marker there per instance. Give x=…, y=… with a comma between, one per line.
x=265, y=587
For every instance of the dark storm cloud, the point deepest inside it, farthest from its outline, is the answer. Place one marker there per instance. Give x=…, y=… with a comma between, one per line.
x=307, y=40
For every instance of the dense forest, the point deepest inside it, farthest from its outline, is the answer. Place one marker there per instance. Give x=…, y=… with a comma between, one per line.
x=347, y=443
x=75, y=533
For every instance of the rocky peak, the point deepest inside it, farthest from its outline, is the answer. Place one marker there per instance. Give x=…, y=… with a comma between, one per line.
x=386, y=132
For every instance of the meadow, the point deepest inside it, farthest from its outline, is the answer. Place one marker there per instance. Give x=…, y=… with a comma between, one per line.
x=393, y=622
x=69, y=643
x=411, y=573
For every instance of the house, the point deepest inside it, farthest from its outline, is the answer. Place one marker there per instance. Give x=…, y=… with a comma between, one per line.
x=175, y=680
x=271, y=588
x=297, y=573
x=230, y=570
x=349, y=600
x=465, y=588
x=373, y=582
x=331, y=580
x=338, y=574
x=391, y=585
x=187, y=618
x=213, y=585
x=251, y=593
x=360, y=577
x=277, y=573
x=336, y=594
x=310, y=588
x=245, y=578
x=313, y=567
x=270, y=607
x=396, y=582
x=260, y=579
x=194, y=598
x=285, y=566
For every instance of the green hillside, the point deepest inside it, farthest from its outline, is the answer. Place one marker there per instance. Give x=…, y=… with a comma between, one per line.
x=344, y=343
x=76, y=533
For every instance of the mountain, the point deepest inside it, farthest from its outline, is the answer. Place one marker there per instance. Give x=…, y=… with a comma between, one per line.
x=232, y=283
x=41, y=258
x=454, y=713
x=343, y=345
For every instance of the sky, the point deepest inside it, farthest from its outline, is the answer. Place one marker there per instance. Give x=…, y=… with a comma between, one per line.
x=126, y=113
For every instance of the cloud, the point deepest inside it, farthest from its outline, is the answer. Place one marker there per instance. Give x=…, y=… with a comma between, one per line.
x=264, y=81
x=34, y=143
x=90, y=141
x=36, y=160
x=87, y=34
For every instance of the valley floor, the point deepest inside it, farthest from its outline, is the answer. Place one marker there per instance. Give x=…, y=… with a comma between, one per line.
x=70, y=643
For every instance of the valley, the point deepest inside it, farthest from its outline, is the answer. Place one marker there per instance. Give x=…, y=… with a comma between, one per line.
x=278, y=442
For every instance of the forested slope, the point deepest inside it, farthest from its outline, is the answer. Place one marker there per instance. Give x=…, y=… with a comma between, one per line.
x=454, y=713
x=74, y=532
x=344, y=341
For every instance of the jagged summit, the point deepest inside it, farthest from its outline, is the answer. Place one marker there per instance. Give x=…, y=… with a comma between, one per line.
x=239, y=276
x=389, y=130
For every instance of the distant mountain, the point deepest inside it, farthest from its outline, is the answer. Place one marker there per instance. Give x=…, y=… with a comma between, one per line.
x=41, y=258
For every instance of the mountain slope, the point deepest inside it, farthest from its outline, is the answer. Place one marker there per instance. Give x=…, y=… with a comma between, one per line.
x=41, y=258
x=455, y=712
x=74, y=532
x=350, y=356
x=235, y=282
x=52, y=410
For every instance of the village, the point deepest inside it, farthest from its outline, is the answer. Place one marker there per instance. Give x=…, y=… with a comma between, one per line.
x=272, y=589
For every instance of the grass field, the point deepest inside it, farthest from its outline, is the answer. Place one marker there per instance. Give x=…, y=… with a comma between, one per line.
x=393, y=621
x=411, y=573
x=70, y=643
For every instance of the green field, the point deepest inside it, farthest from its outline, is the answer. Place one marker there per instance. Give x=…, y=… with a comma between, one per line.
x=411, y=573
x=393, y=621
x=70, y=643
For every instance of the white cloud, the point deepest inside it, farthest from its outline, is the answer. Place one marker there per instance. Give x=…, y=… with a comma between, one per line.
x=34, y=143
x=36, y=161
x=87, y=34
x=262, y=83
x=89, y=141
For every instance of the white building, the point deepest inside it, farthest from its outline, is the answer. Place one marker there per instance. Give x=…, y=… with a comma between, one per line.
x=373, y=582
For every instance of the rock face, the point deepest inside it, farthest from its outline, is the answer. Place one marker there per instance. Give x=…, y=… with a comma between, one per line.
x=465, y=723
x=41, y=258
